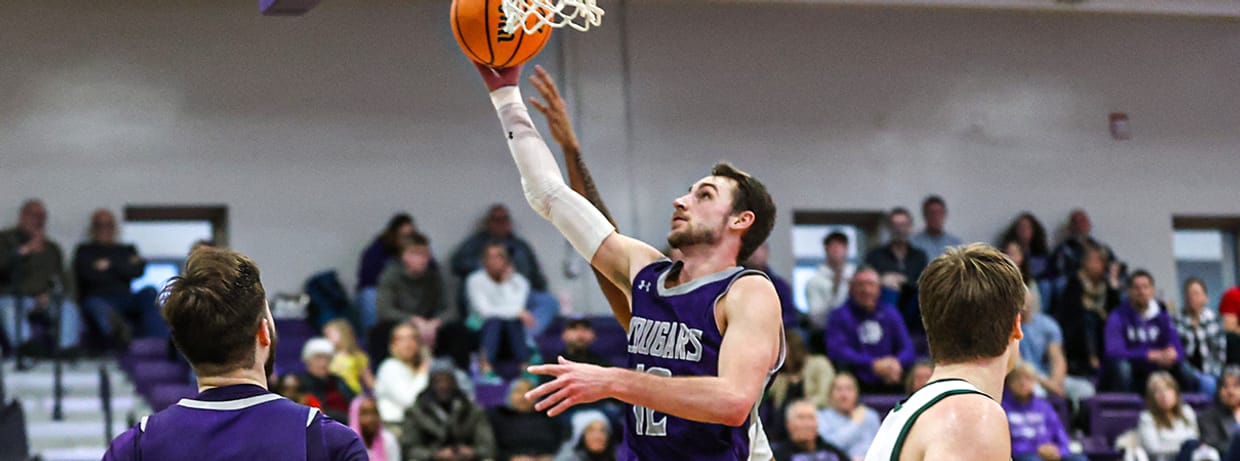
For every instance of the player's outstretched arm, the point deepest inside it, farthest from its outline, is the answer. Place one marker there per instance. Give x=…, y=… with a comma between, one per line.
x=581, y=223
x=579, y=177
x=749, y=351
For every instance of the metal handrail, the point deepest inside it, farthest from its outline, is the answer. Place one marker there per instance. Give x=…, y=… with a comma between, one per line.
x=105, y=400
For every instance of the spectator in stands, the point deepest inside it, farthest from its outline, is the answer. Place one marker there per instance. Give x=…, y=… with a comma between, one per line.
x=410, y=292
x=918, y=376
x=104, y=269
x=847, y=423
x=804, y=376
x=899, y=265
x=350, y=362
x=1088, y=298
x=496, y=293
x=1229, y=310
x=1141, y=339
x=828, y=288
x=760, y=261
x=32, y=272
x=498, y=228
x=1031, y=235
x=578, y=336
x=522, y=432
x=1166, y=423
x=1067, y=257
x=934, y=239
x=803, y=441
x=375, y=259
x=591, y=439
x=402, y=376
x=318, y=380
x=869, y=338
x=1042, y=348
x=1014, y=251
x=289, y=386
x=1201, y=334
x=1037, y=432
x=381, y=444
x=444, y=424
x=1220, y=422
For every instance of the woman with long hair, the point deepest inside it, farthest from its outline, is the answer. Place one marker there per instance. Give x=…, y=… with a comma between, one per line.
x=1166, y=423
x=402, y=376
x=375, y=257
x=1031, y=235
x=350, y=362
x=1201, y=332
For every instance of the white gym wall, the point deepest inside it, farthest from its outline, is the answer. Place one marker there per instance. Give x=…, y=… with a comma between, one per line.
x=314, y=130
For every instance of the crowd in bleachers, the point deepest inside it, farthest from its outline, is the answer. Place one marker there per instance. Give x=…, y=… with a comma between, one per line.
x=1106, y=366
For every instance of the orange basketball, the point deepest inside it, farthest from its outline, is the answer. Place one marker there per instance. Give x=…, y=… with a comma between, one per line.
x=478, y=26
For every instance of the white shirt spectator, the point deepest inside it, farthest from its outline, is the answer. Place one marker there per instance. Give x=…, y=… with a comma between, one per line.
x=396, y=387
x=497, y=300
x=823, y=294
x=934, y=245
x=1162, y=443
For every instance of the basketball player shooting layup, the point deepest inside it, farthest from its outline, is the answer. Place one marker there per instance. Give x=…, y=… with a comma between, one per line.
x=704, y=335
x=971, y=299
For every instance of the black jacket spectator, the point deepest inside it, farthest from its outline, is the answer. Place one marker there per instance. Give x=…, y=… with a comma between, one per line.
x=123, y=265
x=445, y=422
x=523, y=431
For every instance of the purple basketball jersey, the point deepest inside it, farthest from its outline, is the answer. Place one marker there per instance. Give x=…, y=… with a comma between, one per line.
x=673, y=333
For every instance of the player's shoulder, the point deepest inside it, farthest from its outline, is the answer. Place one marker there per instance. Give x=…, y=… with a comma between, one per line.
x=341, y=441
x=965, y=424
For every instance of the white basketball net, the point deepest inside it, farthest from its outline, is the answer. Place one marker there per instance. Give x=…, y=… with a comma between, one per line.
x=578, y=14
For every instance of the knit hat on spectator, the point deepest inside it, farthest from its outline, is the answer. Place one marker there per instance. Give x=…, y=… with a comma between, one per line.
x=317, y=346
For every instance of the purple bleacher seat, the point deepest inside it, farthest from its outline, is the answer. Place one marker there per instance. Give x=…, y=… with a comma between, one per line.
x=881, y=403
x=610, y=338
x=1200, y=402
x=163, y=395
x=508, y=369
x=148, y=374
x=148, y=348
x=1111, y=414
x=295, y=327
x=1096, y=448
x=490, y=395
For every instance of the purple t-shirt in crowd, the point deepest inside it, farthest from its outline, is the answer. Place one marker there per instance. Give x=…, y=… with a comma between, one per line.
x=237, y=422
x=1034, y=424
x=857, y=337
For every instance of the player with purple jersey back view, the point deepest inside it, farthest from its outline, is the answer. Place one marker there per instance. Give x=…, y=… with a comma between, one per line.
x=218, y=316
x=704, y=334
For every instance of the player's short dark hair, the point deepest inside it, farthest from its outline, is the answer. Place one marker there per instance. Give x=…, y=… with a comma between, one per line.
x=214, y=310
x=1140, y=273
x=835, y=237
x=970, y=299
x=750, y=195
x=932, y=200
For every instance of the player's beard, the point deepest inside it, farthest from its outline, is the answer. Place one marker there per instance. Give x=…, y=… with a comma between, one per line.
x=695, y=234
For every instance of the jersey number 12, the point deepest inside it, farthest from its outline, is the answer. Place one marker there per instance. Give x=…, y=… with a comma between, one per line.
x=644, y=418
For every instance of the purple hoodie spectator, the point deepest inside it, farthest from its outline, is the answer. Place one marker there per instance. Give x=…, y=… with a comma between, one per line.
x=864, y=330
x=1131, y=336
x=1033, y=421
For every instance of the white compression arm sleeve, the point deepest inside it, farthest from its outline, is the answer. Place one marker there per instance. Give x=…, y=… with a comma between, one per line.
x=582, y=224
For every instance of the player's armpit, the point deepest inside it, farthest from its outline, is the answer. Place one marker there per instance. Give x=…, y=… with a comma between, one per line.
x=964, y=427
x=620, y=257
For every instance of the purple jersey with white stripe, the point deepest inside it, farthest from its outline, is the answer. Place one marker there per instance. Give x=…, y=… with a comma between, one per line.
x=237, y=422
x=673, y=333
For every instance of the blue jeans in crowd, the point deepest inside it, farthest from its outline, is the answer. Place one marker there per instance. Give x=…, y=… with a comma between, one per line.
x=70, y=321
x=1121, y=377
x=367, y=312
x=139, y=306
x=511, y=330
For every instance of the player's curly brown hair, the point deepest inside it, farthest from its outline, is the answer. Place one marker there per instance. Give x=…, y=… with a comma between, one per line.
x=214, y=309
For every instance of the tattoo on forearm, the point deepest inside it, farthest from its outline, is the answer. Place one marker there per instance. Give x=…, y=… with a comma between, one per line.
x=590, y=191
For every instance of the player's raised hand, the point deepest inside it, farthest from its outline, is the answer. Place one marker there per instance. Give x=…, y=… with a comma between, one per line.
x=574, y=383
x=499, y=78
x=554, y=109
